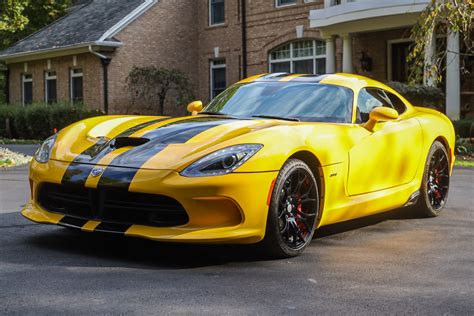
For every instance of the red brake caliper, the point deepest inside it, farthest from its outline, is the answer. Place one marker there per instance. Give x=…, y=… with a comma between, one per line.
x=299, y=207
x=437, y=193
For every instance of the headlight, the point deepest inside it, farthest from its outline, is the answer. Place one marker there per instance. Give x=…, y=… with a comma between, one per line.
x=43, y=153
x=221, y=162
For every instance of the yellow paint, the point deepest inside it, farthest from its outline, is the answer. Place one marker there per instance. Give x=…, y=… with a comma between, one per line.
x=362, y=171
x=90, y=226
x=91, y=181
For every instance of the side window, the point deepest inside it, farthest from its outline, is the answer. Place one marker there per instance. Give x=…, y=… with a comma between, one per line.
x=370, y=98
x=397, y=103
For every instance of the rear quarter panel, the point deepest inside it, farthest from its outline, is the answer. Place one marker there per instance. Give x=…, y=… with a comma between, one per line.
x=436, y=126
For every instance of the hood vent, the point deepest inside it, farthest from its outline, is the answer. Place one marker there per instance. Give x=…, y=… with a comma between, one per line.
x=120, y=142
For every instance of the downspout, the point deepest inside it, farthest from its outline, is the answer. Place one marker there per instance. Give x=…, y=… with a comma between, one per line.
x=105, y=64
x=244, y=38
x=7, y=85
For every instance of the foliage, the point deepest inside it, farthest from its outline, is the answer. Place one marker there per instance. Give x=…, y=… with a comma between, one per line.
x=12, y=17
x=464, y=128
x=20, y=18
x=438, y=17
x=463, y=147
x=39, y=121
x=152, y=86
x=420, y=95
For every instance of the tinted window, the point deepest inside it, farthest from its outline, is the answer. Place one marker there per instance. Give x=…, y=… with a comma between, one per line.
x=305, y=101
x=397, y=103
x=77, y=91
x=369, y=99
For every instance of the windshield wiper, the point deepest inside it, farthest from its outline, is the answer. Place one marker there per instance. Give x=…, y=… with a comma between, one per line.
x=294, y=119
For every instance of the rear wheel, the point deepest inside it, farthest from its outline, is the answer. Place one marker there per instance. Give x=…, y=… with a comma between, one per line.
x=435, y=185
x=293, y=211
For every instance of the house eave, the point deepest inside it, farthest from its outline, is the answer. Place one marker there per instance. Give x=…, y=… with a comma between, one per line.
x=59, y=51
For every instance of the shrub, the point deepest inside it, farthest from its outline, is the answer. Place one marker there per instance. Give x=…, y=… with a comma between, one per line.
x=464, y=128
x=420, y=95
x=38, y=121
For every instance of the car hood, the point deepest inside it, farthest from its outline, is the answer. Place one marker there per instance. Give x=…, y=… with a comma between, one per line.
x=152, y=142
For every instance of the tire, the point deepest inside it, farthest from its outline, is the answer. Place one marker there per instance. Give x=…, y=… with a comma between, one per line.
x=435, y=184
x=293, y=211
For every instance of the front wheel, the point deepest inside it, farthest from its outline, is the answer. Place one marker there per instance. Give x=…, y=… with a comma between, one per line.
x=435, y=185
x=293, y=211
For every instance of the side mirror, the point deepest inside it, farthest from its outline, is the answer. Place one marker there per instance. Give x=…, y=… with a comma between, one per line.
x=195, y=107
x=380, y=114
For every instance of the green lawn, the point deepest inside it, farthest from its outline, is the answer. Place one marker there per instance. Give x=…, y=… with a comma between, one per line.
x=464, y=163
x=8, y=141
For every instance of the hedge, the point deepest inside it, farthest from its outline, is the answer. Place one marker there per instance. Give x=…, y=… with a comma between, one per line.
x=38, y=121
x=420, y=95
x=464, y=128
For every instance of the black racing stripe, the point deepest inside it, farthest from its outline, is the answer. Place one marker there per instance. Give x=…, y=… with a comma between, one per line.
x=112, y=228
x=72, y=222
x=115, y=175
x=77, y=173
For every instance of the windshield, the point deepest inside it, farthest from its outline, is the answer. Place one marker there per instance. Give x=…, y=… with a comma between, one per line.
x=312, y=102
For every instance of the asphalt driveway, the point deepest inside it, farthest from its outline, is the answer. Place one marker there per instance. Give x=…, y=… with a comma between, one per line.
x=393, y=263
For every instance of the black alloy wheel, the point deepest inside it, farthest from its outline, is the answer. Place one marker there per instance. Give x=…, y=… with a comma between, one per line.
x=293, y=210
x=435, y=184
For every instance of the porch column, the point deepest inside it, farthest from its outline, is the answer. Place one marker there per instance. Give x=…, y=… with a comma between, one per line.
x=347, y=54
x=330, y=55
x=430, y=52
x=453, y=77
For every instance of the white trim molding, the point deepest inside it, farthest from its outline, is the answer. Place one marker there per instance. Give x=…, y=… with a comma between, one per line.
x=355, y=15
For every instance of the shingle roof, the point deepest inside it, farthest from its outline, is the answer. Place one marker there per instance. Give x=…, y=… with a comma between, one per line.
x=84, y=24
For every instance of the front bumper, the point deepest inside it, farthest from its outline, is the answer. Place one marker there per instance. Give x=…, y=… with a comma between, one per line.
x=222, y=209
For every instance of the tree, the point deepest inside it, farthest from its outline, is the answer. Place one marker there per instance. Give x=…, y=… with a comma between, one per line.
x=437, y=18
x=20, y=18
x=151, y=86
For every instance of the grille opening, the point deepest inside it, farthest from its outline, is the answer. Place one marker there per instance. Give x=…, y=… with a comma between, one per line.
x=112, y=205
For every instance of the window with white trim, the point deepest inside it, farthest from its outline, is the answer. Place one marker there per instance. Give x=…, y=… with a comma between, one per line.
x=50, y=87
x=27, y=89
x=218, y=77
x=303, y=56
x=216, y=12
x=77, y=85
x=284, y=3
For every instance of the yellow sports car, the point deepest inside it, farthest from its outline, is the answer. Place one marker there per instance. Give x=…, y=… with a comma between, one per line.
x=268, y=161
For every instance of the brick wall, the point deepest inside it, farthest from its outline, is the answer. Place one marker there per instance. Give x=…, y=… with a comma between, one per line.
x=267, y=28
x=165, y=36
x=375, y=45
x=92, y=76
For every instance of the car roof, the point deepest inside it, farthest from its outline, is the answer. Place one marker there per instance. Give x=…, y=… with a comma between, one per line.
x=354, y=82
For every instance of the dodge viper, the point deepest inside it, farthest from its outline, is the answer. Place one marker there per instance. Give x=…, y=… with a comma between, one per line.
x=267, y=161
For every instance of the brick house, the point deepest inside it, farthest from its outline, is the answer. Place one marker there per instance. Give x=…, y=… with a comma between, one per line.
x=87, y=55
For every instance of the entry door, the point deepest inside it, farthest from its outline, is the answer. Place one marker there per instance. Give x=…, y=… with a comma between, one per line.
x=399, y=65
x=387, y=157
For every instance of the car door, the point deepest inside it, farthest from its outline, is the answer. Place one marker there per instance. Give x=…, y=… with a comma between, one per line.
x=388, y=156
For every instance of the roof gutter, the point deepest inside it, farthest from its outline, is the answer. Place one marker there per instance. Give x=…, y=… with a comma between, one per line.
x=105, y=73
x=110, y=44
